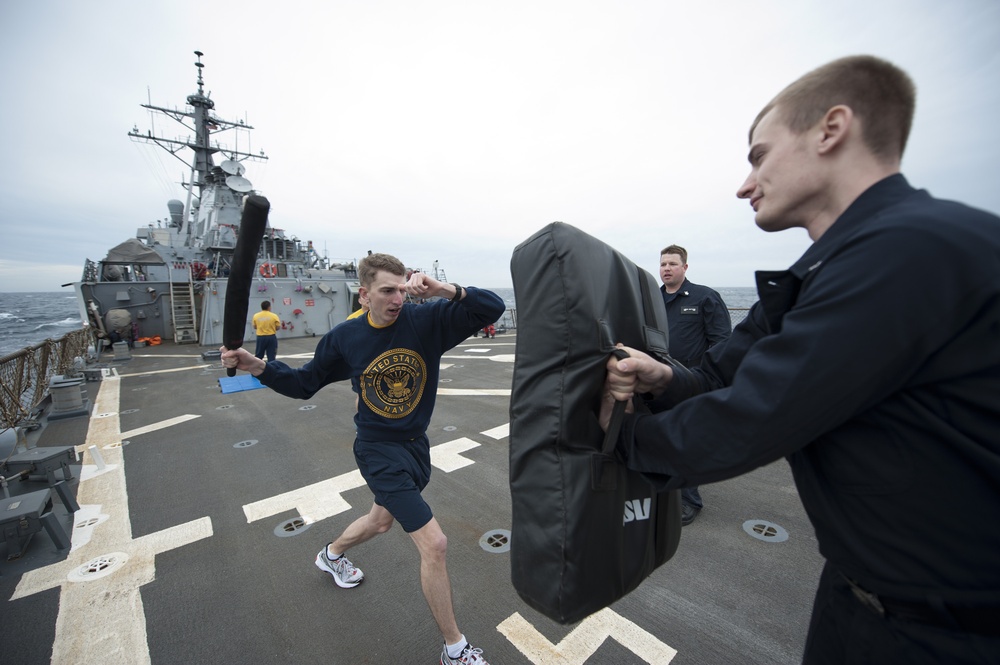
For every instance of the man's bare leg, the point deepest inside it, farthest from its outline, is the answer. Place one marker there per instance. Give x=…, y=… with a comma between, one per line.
x=378, y=520
x=433, y=546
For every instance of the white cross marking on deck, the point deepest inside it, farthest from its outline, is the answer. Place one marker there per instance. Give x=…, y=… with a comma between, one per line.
x=325, y=499
x=103, y=620
x=585, y=640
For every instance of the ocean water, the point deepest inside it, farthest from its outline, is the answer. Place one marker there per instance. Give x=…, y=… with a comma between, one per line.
x=737, y=297
x=29, y=318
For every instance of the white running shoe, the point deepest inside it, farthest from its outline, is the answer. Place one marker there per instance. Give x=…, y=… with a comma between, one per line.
x=470, y=656
x=344, y=573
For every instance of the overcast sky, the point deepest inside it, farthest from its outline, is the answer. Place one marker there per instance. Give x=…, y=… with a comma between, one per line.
x=453, y=130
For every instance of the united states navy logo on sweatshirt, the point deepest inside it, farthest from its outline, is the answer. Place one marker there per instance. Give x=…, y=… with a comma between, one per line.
x=393, y=383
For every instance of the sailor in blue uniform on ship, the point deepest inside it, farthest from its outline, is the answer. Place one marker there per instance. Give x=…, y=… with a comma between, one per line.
x=392, y=357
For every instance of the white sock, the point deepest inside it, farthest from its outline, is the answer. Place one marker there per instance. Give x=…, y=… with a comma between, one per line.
x=455, y=650
x=331, y=555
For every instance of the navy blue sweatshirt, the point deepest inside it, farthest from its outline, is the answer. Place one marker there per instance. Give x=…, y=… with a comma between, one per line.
x=394, y=369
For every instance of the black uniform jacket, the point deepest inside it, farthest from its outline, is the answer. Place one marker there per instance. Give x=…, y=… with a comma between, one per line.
x=697, y=319
x=873, y=366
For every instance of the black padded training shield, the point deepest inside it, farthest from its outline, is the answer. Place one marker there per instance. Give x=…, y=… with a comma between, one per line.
x=252, y=226
x=585, y=530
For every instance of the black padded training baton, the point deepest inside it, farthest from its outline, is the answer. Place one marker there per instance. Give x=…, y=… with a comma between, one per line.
x=252, y=226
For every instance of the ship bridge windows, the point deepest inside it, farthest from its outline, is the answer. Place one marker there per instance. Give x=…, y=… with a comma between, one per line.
x=158, y=236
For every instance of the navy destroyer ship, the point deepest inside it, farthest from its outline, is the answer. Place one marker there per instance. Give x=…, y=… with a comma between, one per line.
x=168, y=282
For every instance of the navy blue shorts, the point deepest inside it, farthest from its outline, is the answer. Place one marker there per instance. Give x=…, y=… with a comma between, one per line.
x=396, y=473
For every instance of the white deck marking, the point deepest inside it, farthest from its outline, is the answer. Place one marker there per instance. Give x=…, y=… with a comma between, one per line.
x=135, y=432
x=501, y=432
x=170, y=371
x=445, y=456
x=313, y=502
x=584, y=640
x=103, y=621
x=453, y=392
x=85, y=521
x=158, y=426
x=89, y=471
x=499, y=358
x=325, y=499
x=164, y=355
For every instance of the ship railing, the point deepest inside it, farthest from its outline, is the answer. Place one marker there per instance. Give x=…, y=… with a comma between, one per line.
x=90, y=271
x=25, y=374
x=737, y=314
x=508, y=321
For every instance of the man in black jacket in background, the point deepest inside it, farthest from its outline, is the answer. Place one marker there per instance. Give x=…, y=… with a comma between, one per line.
x=697, y=320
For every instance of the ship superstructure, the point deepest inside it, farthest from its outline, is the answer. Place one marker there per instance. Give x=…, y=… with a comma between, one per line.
x=169, y=281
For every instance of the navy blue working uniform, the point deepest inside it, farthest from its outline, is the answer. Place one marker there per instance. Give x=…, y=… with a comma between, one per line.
x=697, y=320
x=395, y=371
x=873, y=366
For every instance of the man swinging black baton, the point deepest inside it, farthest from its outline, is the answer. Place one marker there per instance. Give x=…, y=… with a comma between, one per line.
x=252, y=226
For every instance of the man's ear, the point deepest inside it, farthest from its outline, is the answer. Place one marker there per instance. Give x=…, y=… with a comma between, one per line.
x=835, y=127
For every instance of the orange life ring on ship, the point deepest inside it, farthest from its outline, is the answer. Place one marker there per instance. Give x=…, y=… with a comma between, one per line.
x=268, y=269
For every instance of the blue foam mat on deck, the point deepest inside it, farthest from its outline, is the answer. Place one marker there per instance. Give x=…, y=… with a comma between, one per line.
x=235, y=384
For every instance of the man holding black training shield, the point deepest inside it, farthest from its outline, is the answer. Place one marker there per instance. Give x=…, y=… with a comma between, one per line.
x=877, y=379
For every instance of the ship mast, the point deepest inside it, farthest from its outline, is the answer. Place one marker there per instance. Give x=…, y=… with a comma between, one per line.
x=204, y=124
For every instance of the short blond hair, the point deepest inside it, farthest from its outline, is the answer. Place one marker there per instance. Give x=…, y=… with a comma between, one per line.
x=676, y=249
x=371, y=264
x=879, y=93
